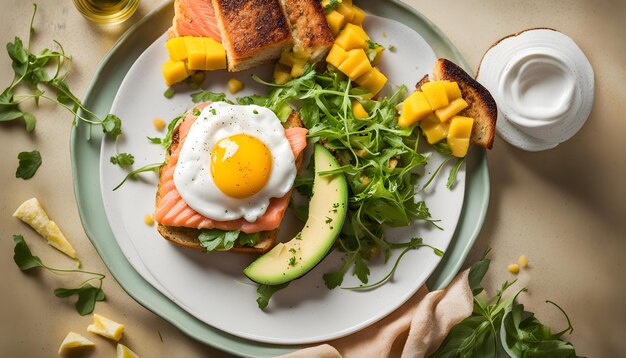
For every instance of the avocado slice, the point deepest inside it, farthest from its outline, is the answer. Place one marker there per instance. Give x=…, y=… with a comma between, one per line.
x=327, y=211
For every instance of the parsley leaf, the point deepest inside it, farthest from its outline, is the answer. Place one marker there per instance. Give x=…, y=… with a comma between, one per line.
x=29, y=162
x=208, y=96
x=265, y=293
x=112, y=125
x=123, y=159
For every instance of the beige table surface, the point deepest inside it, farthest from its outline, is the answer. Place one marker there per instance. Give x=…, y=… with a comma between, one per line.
x=564, y=208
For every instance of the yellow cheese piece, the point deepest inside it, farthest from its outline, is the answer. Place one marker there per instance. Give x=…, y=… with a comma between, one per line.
x=374, y=81
x=461, y=127
x=358, y=111
x=346, y=10
x=298, y=68
x=435, y=93
x=106, y=327
x=124, y=352
x=358, y=15
x=352, y=37
x=414, y=108
x=74, y=340
x=176, y=49
x=196, y=54
x=356, y=64
x=282, y=74
x=32, y=213
x=433, y=129
x=234, y=85
x=452, y=90
x=215, y=55
x=174, y=71
x=456, y=106
x=336, y=56
x=458, y=146
x=336, y=22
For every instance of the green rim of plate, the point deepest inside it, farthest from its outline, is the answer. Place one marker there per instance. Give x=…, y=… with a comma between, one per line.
x=85, y=156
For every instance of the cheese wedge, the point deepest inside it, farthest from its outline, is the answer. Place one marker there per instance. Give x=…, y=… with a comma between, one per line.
x=125, y=352
x=74, y=340
x=106, y=327
x=32, y=213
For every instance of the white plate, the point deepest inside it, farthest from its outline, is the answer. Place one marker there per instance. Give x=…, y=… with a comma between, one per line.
x=212, y=286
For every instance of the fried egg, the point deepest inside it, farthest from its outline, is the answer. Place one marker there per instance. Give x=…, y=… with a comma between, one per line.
x=233, y=161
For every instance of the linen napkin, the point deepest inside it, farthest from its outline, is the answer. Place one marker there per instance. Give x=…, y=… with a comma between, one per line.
x=416, y=329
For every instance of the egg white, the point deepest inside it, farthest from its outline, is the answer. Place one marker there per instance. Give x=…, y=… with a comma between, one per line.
x=192, y=176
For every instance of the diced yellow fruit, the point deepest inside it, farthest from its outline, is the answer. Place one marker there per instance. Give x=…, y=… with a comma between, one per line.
x=174, y=71
x=234, y=85
x=106, y=327
x=435, y=93
x=32, y=213
x=336, y=22
x=358, y=111
x=346, y=10
x=374, y=81
x=124, y=352
x=282, y=74
x=513, y=268
x=196, y=54
x=379, y=55
x=523, y=261
x=454, y=107
x=336, y=56
x=352, y=37
x=74, y=340
x=298, y=69
x=358, y=15
x=452, y=90
x=458, y=146
x=461, y=127
x=288, y=58
x=215, y=55
x=176, y=49
x=414, y=108
x=433, y=129
x=347, y=2
x=158, y=123
x=356, y=64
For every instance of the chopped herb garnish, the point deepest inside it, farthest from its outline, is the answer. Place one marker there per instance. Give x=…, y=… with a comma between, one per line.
x=255, y=111
x=213, y=111
x=196, y=112
x=329, y=220
x=392, y=48
x=292, y=261
x=123, y=159
x=169, y=93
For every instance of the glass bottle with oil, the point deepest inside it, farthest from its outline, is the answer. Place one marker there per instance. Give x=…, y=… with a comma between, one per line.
x=106, y=11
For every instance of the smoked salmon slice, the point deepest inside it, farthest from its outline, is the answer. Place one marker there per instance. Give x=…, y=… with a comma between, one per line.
x=195, y=18
x=171, y=209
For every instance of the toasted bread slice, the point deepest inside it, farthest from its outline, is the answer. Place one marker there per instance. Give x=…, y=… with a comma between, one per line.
x=253, y=31
x=188, y=237
x=311, y=33
x=481, y=105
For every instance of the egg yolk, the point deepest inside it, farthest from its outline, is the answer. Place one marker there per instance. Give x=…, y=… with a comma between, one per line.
x=240, y=165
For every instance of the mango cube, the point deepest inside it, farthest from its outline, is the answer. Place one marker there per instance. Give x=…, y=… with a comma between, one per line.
x=336, y=56
x=435, y=93
x=452, y=90
x=346, y=10
x=374, y=81
x=456, y=106
x=458, y=146
x=352, y=37
x=358, y=111
x=282, y=74
x=414, y=108
x=215, y=55
x=358, y=15
x=106, y=327
x=196, y=54
x=174, y=71
x=176, y=49
x=433, y=129
x=298, y=68
x=336, y=22
x=461, y=127
x=356, y=64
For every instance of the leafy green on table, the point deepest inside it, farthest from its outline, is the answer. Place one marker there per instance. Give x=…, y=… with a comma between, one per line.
x=87, y=294
x=29, y=162
x=37, y=73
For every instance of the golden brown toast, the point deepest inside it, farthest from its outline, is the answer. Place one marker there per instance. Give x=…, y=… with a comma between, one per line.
x=481, y=105
x=188, y=237
x=253, y=31
x=310, y=31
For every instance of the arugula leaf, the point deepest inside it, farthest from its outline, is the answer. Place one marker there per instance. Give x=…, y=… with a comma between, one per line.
x=88, y=295
x=265, y=293
x=360, y=269
x=452, y=176
x=215, y=239
x=29, y=162
x=112, y=125
x=208, y=96
x=167, y=140
x=22, y=256
x=123, y=159
x=146, y=168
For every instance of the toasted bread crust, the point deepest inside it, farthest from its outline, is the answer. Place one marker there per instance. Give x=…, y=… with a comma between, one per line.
x=253, y=31
x=481, y=105
x=309, y=28
x=188, y=237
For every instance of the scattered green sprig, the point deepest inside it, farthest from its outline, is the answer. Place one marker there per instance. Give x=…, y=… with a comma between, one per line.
x=265, y=293
x=87, y=294
x=29, y=162
x=146, y=168
x=123, y=159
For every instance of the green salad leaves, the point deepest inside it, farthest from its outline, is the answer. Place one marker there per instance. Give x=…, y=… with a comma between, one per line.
x=214, y=239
